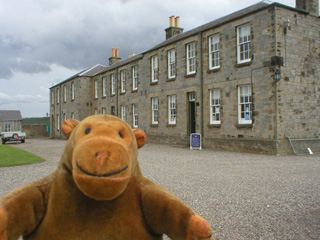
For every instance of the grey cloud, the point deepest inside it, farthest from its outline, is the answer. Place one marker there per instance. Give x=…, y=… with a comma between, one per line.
x=78, y=34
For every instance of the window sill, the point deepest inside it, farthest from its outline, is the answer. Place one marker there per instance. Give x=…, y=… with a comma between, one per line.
x=244, y=64
x=134, y=90
x=154, y=83
x=190, y=75
x=214, y=70
x=112, y=95
x=171, y=79
x=214, y=125
x=244, y=125
x=122, y=93
x=154, y=125
x=104, y=97
x=171, y=125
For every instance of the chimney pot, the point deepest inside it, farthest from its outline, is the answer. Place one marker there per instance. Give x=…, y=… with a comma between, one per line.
x=172, y=21
x=113, y=52
x=177, y=22
x=132, y=54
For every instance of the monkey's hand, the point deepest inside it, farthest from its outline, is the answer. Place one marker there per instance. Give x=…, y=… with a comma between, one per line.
x=199, y=229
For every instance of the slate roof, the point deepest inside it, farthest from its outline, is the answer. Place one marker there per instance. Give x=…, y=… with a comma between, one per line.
x=6, y=115
x=89, y=72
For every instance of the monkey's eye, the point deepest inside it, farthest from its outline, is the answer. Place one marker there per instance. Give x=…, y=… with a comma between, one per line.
x=87, y=131
x=121, y=134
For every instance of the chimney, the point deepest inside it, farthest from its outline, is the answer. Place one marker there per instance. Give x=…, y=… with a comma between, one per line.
x=114, y=56
x=310, y=6
x=174, y=27
x=132, y=54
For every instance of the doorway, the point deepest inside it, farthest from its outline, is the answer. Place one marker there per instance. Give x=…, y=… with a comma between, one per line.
x=192, y=113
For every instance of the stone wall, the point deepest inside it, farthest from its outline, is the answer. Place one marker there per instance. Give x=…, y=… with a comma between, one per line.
x=299, y=88
x=35, y=130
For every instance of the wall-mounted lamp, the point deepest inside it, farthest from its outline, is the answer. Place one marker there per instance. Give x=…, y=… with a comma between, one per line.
x=286, y=27
x=277, y=75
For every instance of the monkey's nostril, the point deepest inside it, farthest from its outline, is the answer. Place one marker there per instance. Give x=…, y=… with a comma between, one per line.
x=97, y=154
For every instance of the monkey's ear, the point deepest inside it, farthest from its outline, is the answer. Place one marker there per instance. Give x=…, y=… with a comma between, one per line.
x=141, y=137
x=68, y=127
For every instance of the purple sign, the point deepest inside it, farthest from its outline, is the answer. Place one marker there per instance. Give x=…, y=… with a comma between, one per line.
x=195, y=141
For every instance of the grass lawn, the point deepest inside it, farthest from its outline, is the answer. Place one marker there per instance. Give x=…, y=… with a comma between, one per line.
x=10, y=156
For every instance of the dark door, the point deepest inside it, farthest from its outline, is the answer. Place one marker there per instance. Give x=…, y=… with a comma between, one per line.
x=192, y=117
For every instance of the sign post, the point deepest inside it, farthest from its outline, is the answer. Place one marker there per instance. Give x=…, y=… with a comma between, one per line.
x=195, y=141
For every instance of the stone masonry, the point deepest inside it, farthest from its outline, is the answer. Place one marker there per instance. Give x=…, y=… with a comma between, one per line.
x=282, y=38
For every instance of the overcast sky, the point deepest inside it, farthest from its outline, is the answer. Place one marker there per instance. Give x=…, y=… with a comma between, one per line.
x=43, y=42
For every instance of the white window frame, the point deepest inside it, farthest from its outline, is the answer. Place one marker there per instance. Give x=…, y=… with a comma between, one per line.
x=64, y=93
x=58, y=95
x=104, y=86
x=244, y=43
x=64, y=117
x=135, y=115
x=52, y=97
x=96, y=112
x=155, y=110
x=214, y=52
x=72, y=91
x=215, y=106
x=154, y=69
x=113, y=110
x=123, y=81
x=171, y=63
x=191, y=58
x=104, y=110
x=96, y=89
x=135, y=78
x=123, y=112
x=7, y=127
x=113, y=83
x=245, y=104
x=58, y=122
x=172, y=109
x=72, y=115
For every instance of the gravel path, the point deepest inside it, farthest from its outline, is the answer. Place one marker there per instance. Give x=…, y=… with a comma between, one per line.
x=243, y=196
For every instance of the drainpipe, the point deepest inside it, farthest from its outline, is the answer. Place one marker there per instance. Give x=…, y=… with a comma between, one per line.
x=276, y=84
x=117, y=91
x=201, y=86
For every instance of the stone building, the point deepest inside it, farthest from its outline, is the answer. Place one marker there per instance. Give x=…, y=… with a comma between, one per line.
x=244, y=81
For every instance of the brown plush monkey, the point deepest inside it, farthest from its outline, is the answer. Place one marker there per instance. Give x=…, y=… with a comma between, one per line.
x=98, y=193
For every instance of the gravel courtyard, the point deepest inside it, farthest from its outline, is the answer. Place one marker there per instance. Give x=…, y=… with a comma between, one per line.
x=244, y=196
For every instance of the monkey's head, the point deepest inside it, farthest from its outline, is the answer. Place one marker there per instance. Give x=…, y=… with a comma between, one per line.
x=102, y=153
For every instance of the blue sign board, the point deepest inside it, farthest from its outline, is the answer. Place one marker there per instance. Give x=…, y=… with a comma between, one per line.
x=195, y=141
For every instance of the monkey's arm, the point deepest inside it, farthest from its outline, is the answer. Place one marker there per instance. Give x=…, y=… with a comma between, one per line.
x=22, y=210
x=166, y=214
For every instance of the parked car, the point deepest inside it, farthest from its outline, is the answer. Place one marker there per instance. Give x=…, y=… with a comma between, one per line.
x=13, y=136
